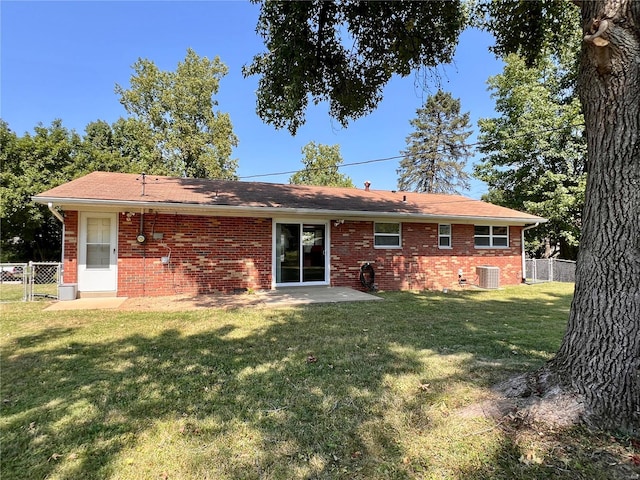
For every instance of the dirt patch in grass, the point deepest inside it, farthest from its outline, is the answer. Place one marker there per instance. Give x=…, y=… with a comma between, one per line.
x=547, y=433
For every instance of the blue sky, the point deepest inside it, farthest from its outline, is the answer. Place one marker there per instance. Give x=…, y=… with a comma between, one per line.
x=63, y=59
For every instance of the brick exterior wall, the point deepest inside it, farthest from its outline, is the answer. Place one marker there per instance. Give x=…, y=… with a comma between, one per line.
x=225, y=254
x=206, y=255
x=70, y=245
x=419, y=264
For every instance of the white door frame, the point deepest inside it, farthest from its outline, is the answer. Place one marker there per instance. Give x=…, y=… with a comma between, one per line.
x=327, y=252
x=98, y=279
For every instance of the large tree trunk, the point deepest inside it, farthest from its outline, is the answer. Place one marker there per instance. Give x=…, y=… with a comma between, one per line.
x=600, y=353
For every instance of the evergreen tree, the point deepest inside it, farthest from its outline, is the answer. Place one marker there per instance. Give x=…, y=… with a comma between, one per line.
x=436, y=151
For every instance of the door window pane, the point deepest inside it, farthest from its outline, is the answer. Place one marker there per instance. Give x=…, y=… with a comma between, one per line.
x=98, y=247
x=313, y=260
x=288, y=251
x=98, y=256
x=300, y=253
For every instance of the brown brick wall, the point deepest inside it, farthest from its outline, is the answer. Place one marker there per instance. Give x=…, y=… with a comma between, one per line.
x=223, y=254
x=70, y=261
x=207, y=255
x=419, y=264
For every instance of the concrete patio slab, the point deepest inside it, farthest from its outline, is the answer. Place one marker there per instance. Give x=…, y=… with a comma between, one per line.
x=281, y=297
x=308, y=295
x=98, y=303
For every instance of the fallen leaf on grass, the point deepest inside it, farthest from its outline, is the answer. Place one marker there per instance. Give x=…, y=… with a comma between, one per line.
x=189, y=429
x=424, y=387
x=54, y=457
x=444, y=409
x=530, y=458
x=311, y=359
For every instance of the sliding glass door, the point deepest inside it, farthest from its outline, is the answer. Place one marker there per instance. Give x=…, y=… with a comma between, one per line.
x=287, y=253
x=300, y=253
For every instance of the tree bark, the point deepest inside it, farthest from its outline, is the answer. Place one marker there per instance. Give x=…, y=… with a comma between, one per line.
x=599, y=358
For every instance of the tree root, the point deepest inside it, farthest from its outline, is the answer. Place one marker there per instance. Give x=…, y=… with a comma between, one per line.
x=532, y=398
x=538, y=397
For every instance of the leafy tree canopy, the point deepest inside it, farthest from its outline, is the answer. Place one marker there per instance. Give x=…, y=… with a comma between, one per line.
x=30, y=165
x=321, y=164
x=535, y=151
x=344, y=53
x=125, y=146
x=176, y=108
x=437, y=151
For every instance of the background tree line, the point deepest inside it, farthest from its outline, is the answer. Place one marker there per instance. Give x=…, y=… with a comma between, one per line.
x=172, y=128
x=531, y=155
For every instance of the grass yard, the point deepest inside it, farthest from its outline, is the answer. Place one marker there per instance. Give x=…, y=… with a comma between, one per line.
x=16, y=291
x=11, y=291
x=373, y=390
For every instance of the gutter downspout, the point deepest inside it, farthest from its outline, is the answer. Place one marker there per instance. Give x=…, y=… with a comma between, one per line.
x=524, y=264
x=56, y=213
x=61, y=218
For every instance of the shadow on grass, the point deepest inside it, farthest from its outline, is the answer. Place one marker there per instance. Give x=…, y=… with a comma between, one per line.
x=304, y=394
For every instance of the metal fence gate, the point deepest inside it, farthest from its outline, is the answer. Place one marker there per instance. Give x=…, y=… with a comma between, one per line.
x=29, y=281
x=550, y=270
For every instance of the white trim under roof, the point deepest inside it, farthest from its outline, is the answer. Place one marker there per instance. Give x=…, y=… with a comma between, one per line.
x=270, y=212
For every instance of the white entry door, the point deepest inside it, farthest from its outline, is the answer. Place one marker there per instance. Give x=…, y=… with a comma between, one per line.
x=97, y=252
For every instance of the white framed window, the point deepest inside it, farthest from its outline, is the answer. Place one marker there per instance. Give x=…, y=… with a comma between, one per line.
x=444, y=235
x=488, y=236
x=386, y=235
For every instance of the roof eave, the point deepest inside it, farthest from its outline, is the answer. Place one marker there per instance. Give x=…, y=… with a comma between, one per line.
x=198, y=208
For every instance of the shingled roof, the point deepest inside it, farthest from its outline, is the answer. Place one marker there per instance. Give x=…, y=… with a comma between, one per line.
x=115, y=191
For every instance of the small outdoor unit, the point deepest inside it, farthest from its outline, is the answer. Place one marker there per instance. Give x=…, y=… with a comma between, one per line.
x=67, y=291
x=488, y=276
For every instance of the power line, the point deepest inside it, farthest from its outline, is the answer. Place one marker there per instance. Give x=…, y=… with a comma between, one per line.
x=324, y=168
x=396, y=157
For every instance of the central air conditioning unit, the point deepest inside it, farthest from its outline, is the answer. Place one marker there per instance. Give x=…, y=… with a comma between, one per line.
x=488, y=276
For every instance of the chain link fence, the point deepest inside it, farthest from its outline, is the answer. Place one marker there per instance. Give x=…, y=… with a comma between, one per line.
x=550, y=270
x=29, y=281
x=13, y=282
x=43, y=280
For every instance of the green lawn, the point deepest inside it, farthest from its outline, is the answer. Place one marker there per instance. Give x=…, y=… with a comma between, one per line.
x=346, y=391
x=11, y=291
x=15, y=291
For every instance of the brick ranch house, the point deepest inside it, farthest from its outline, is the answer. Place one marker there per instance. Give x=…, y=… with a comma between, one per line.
x=134, y=235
